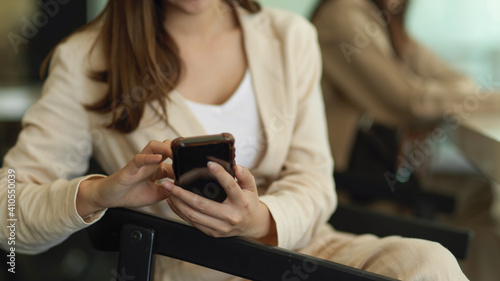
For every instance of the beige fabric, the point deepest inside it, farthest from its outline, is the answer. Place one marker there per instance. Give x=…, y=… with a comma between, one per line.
x=362, y=76
x=59, y=136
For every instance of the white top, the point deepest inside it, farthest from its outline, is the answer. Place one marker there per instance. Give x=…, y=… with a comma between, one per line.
x=240, y=117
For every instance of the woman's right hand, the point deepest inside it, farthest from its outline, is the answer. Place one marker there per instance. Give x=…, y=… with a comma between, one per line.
x=134, y=185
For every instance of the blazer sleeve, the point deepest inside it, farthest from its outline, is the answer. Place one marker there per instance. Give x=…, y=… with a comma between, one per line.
x=426, y=64
x=303, y=198
x=49, y=159
x=359, y=60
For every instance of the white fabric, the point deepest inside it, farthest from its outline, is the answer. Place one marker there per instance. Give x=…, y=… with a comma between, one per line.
x=239, y=116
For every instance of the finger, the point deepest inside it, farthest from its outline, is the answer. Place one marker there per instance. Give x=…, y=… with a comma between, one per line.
x=167, y=171
x=205, y=229
x=225, y=164
x=156, y=147
x=195, y=217
x=194, y=201
x=175, y=209
x=141, y=160
x=245, y=179
x=160, y=193
x=215, y=232
x=169, y=153
x=194, y=174
x=232, y=188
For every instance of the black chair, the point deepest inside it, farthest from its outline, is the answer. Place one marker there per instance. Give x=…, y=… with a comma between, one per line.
x=139, y=236
x=371, y=176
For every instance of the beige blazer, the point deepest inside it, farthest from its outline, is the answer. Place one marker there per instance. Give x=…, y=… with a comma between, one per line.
x=59, y=135
x=362, y=76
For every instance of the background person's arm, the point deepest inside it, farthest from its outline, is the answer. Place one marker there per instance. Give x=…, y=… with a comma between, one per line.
x=359, y=59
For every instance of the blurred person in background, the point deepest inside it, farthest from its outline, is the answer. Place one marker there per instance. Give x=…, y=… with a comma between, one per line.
x=385, y=94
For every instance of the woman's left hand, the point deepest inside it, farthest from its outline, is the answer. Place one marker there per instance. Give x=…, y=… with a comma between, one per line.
x=241, y=214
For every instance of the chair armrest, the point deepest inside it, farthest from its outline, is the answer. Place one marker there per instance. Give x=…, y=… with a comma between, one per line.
x=238, y=256
x=358, y=220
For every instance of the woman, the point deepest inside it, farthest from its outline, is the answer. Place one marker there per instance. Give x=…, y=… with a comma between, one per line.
x=156, y=70
x=384, y=92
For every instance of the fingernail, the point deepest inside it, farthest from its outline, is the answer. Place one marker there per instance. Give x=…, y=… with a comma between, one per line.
x=240, y=170
x=211, y=165
x=168, y=186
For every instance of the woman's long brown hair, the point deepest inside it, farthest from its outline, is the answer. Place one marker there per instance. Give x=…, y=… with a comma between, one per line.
x=143, y=62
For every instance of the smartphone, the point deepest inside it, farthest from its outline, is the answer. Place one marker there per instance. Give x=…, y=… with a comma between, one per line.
x=190, y=158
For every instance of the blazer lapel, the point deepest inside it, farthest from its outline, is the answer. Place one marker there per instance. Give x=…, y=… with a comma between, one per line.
x=266, y=67
x=180, y=118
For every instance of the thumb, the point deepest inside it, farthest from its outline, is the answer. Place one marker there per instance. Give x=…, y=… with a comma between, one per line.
x=245, y=179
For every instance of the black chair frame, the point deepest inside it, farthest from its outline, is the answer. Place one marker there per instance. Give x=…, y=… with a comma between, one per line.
x=138, y=237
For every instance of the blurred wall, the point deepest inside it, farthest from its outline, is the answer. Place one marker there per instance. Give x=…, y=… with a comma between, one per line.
x=29, y=30
x=303, y=7
x=465, y=33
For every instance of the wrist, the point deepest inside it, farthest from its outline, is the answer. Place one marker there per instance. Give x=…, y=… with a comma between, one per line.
x=87, y=195
x=267, y=233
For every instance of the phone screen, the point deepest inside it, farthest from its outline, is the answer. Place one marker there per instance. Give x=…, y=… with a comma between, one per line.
x=190, y=166
x=198, y=156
